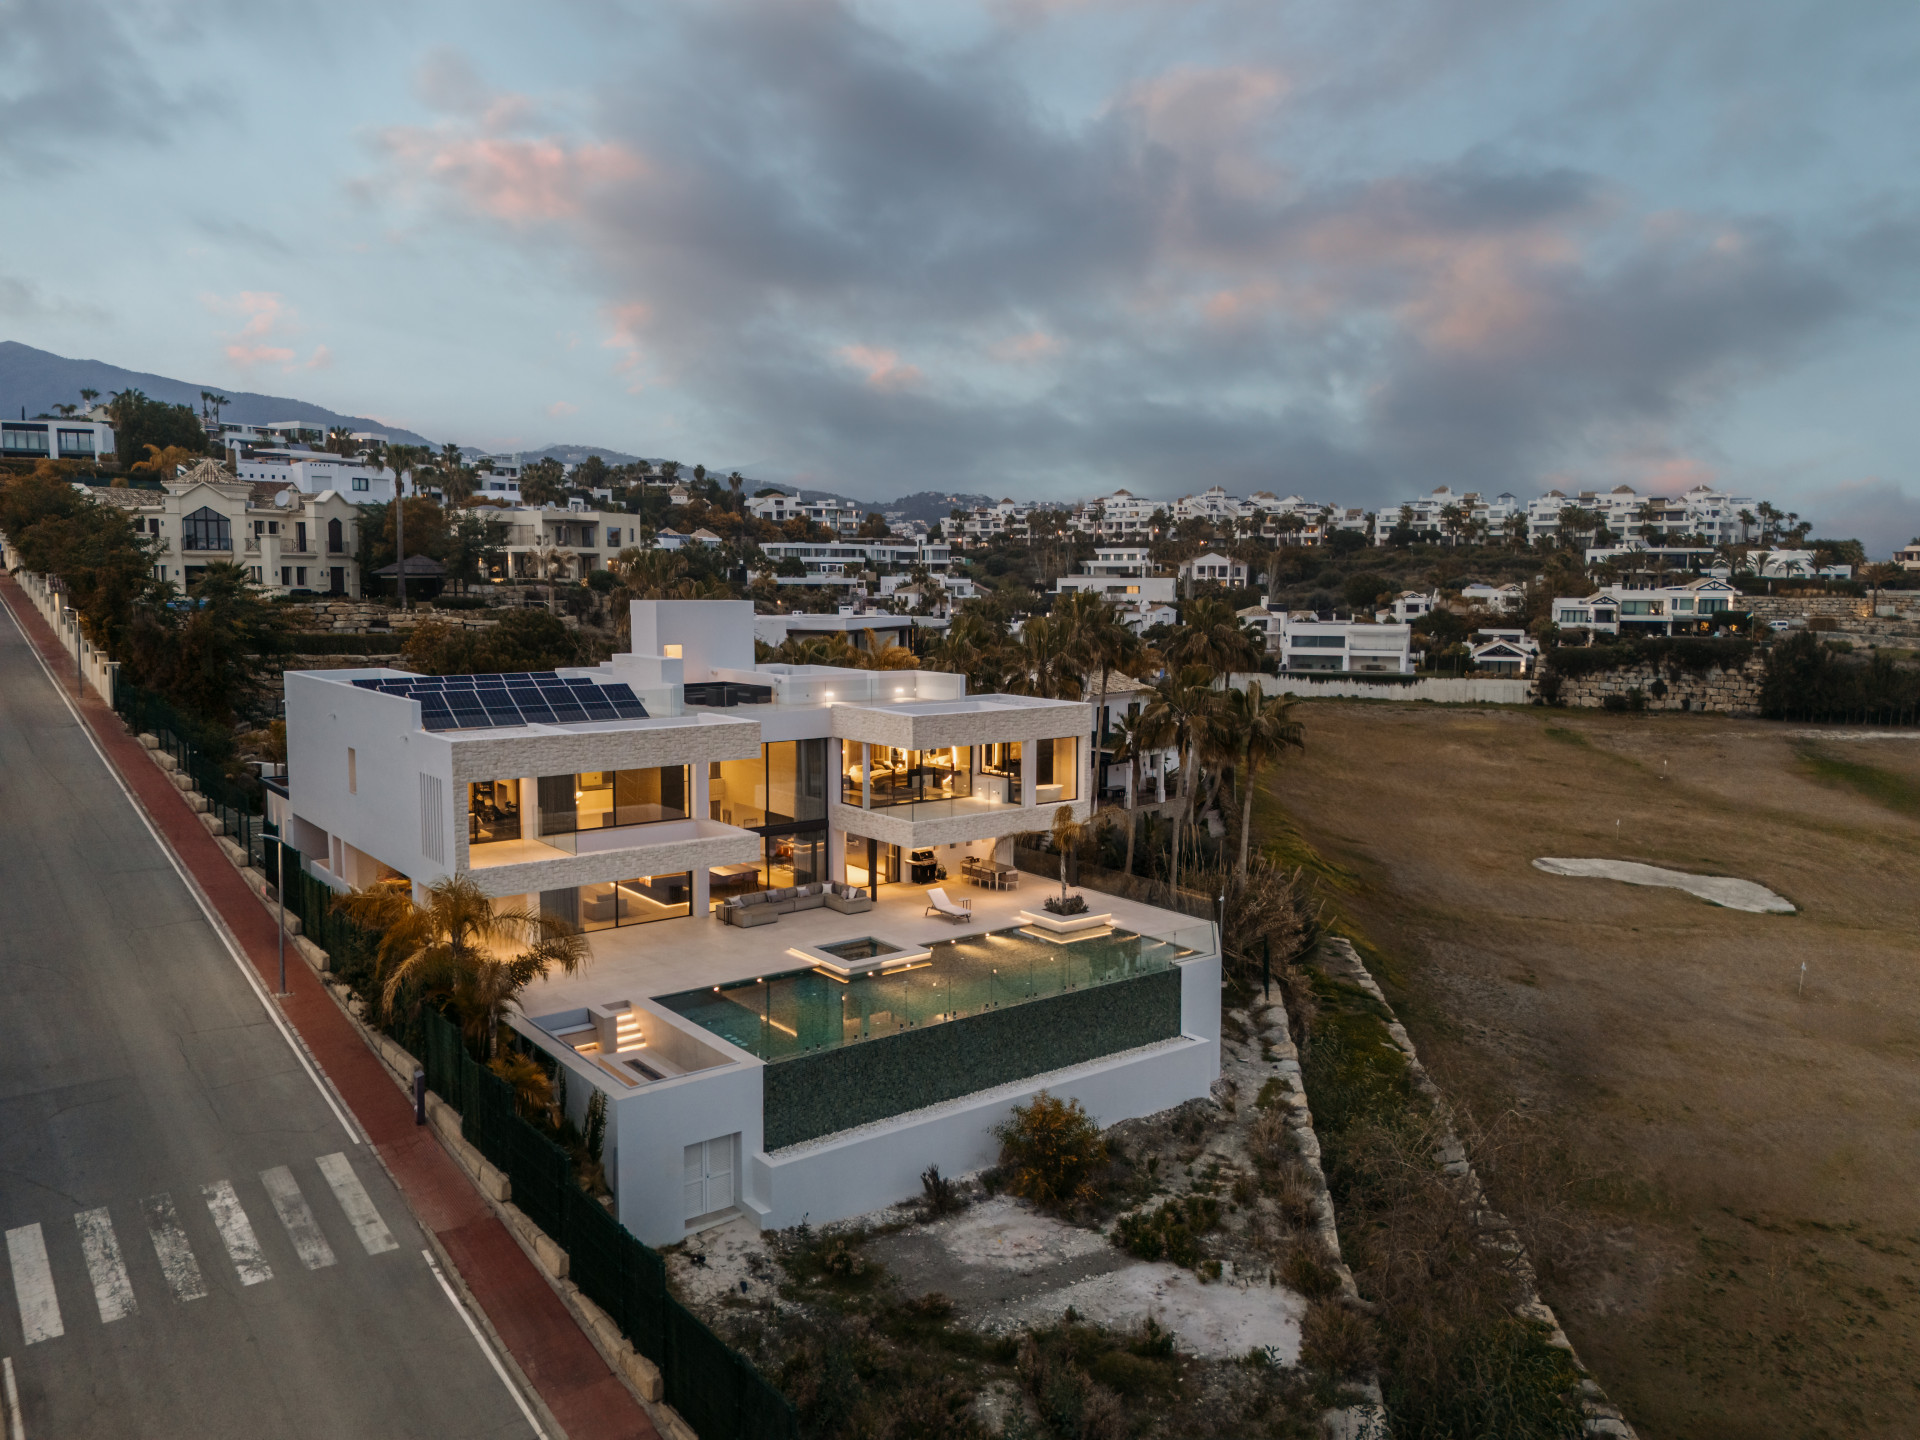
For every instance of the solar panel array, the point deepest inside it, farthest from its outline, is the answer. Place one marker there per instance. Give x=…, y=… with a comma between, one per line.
x=488, y=702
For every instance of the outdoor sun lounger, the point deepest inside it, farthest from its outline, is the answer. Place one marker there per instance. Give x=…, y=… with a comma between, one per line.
x=939, y=904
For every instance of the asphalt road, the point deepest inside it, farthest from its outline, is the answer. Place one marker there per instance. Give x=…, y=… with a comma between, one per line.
x=194, y=1244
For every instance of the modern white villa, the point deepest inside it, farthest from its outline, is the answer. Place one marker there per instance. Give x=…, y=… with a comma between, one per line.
x=1693, y=608
x=815, y=970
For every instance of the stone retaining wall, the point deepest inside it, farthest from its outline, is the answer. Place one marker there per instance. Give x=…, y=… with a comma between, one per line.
x=1717, y=691
x=356, y=617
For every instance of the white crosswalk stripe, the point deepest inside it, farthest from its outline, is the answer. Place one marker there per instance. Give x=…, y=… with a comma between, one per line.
x=112, y=1282
x=366, y=1220
x=112, y=1290
x=236, y=1232
x=33, y=1284
x=302, y=1229
x=171, y=1247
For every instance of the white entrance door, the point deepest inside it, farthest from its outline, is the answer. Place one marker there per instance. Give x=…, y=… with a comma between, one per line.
x=709, y=1176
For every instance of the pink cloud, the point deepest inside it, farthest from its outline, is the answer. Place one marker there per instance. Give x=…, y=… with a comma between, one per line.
x=248, y=356
x=266, y=323
x=1019, y=349
x=562, y=407
x=883, y=368
x=521, y=180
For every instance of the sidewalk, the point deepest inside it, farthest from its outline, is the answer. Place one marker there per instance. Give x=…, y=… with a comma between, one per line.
x=584, y=1397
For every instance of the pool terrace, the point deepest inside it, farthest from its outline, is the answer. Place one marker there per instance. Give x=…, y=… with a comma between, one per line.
x=674, y=957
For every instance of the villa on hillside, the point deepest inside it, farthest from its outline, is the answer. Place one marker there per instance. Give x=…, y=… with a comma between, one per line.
x=815, y=968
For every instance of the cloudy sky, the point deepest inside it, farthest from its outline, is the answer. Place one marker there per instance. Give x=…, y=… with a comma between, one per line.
x=1028, y=247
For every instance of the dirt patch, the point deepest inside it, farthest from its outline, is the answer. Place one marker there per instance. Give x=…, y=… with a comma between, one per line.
x=1737, y=1140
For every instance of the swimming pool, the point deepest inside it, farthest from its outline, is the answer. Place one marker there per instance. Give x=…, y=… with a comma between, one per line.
x=798, y=1012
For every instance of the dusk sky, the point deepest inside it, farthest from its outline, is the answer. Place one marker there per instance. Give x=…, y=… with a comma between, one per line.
x=1036, y=248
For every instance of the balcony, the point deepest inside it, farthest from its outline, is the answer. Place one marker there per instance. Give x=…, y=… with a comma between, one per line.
x=515, y=867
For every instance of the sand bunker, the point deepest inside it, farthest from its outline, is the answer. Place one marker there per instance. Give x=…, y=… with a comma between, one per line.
x=1719, y=889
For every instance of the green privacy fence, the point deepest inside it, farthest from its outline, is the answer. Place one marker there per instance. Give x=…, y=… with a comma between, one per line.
x=830, y=1090
x=187, y=742
x=715, y=1389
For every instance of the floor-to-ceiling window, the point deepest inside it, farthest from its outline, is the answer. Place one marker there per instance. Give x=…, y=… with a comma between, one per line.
x=493, y=811
x=781, y=795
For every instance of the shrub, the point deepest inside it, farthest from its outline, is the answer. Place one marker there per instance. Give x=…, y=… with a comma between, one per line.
x=1336, y=1340
x=1072, y=1405
x=1170, y=1233
x=937, y=1193
x=1306, y=1270
x=1051, y=1150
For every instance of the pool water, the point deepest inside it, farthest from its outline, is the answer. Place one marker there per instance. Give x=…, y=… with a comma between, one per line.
x=801, y=1011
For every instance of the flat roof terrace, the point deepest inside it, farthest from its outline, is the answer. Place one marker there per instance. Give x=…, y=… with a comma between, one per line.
x=644, y=962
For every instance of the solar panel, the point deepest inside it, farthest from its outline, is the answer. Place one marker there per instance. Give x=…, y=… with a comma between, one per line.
x=481, y=702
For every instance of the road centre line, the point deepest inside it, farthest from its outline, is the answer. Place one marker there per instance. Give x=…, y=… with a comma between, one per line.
x=193, y=888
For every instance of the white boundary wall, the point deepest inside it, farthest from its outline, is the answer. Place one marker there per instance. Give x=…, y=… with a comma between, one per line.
x=1466, y=690
x=97, y=669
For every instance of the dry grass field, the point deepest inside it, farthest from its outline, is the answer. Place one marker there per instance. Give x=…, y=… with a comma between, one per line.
x=1746, y=1154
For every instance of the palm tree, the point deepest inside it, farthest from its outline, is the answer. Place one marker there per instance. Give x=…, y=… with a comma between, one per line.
x=87, y=397
x=1181, y=701
x=1212, y=636
x=546, y=560
x=448, y=947
x=1258, y=729
x=1138, y=734
x=1879, y=576
x=1046, y=661
x=1104, y=643
x=401, y=459
x=1067, y=833
x=737, y=484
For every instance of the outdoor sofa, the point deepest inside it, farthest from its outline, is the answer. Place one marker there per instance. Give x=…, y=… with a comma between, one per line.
x=763, y=907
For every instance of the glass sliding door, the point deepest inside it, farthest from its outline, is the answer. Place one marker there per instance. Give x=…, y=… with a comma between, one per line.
x=493, y=811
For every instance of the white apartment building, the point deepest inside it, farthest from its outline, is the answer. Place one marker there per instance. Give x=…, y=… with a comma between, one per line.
x=787, y=1013
x=1267, y=622
x=1652, y=519
x=1481, y=514
x=1212, y=569
x=1506, y=599
x=1309, y=643
x=285, y=540
x=1213, y=504
x=839, y=562
x=781, y=507
x=1408, y=606
x=1121, y=573
x=313, y=471
x=1119, y=516
x=1692, y=608
x=56, y=439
